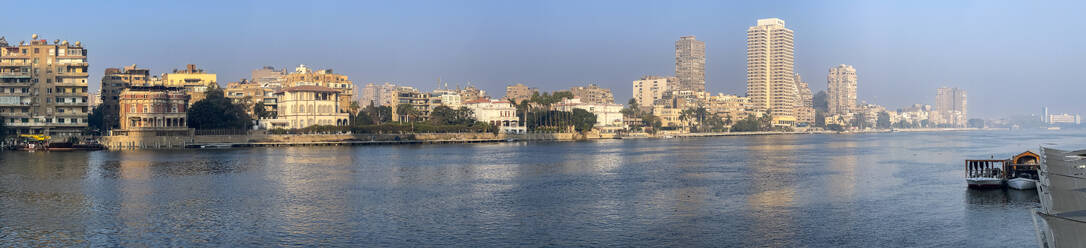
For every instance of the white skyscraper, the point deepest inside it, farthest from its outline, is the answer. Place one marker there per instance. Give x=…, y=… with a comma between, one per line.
x=770, y=71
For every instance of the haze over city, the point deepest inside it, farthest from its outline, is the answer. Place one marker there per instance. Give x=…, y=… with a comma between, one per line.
x=1011, y=56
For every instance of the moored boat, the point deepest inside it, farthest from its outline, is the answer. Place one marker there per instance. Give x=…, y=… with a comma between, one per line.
x=984, y=173
x=1021, y=183
x=1018, y=172
x=984, y=182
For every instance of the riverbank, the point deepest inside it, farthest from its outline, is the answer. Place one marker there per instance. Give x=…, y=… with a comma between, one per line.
x=260, y=139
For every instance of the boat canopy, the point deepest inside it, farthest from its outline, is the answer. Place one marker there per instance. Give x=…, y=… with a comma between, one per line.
x=1027, y=157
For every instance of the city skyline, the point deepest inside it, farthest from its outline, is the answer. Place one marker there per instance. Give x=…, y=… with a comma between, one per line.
x=925, y=50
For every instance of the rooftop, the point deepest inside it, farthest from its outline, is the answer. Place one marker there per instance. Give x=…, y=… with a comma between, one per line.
x=308, y=88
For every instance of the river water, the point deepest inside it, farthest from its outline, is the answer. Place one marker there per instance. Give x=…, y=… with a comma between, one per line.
x=865, y=190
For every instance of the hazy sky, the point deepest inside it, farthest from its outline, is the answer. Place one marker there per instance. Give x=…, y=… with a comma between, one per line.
x=1011, y=56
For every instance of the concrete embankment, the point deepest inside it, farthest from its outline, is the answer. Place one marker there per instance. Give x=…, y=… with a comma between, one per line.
x=264, y=140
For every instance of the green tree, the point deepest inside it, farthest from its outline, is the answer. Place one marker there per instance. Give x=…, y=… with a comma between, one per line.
x=631, y=109
x=765, y=123
x=354, y=107
x=819, y=101
x=378, y=114
x=218, y=112
x=714, y=123
x=976, y=123
x=835, y=127
x=443, y=115
x=859, y=121
x=651, y=121
x=583, y=120
x=407, y=113
x=883, y=121
x=260, y=112
x=749, y=124
x=363, y=118
x=3, y=127
x=96, y=120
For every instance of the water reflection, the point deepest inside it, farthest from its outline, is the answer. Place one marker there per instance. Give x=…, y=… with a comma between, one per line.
x=772, y=190
x=809, y=190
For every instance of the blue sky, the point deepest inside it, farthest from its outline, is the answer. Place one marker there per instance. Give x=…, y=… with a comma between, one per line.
x=1011, y=56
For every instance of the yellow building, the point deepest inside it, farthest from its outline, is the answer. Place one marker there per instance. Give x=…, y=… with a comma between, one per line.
x=669, y=117
x=195, y=81
x=303, y=76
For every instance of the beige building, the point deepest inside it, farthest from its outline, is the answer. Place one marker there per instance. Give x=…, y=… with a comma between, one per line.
x=445, y=97
x=841, y=90
x=649, y=89
x=770, y=70
x=729, y=105
x=593, y=94
x=303, y=76
x=412, y=96
x=308, y=105
x=950, y=105
x=195, y=81
x=153, y=111
x=250, y=93
x=43, y=87
x=115, y=81
x=378, y=95
x=519, y=92
x=472, y=93
x=268, y=75
x=669, y=117
x=805, y=112
x=690, y=64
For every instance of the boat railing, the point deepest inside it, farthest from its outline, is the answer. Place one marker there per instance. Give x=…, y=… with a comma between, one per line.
x=990, y=168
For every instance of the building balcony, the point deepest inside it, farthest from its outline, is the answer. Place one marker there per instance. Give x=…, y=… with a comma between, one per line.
x=66, y=124
x=24, y=124
x=71, y=114
x=72, y=74
x=75, y=64
x=70, y=94
x=71, y=84
x=16, y=74
x=27, y=94
x=14, y=64
x=23, y=104
x=71, y=103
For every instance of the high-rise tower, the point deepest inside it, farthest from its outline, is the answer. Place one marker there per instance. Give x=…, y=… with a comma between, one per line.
x=841, y=90
x=690, y=64
x=770, y=71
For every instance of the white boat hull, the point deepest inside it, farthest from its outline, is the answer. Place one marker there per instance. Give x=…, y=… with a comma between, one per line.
x=984, y=182
x=1022, y=183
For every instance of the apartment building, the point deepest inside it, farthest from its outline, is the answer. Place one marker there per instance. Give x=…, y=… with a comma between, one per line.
x=303, y=76
x=43, y=87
